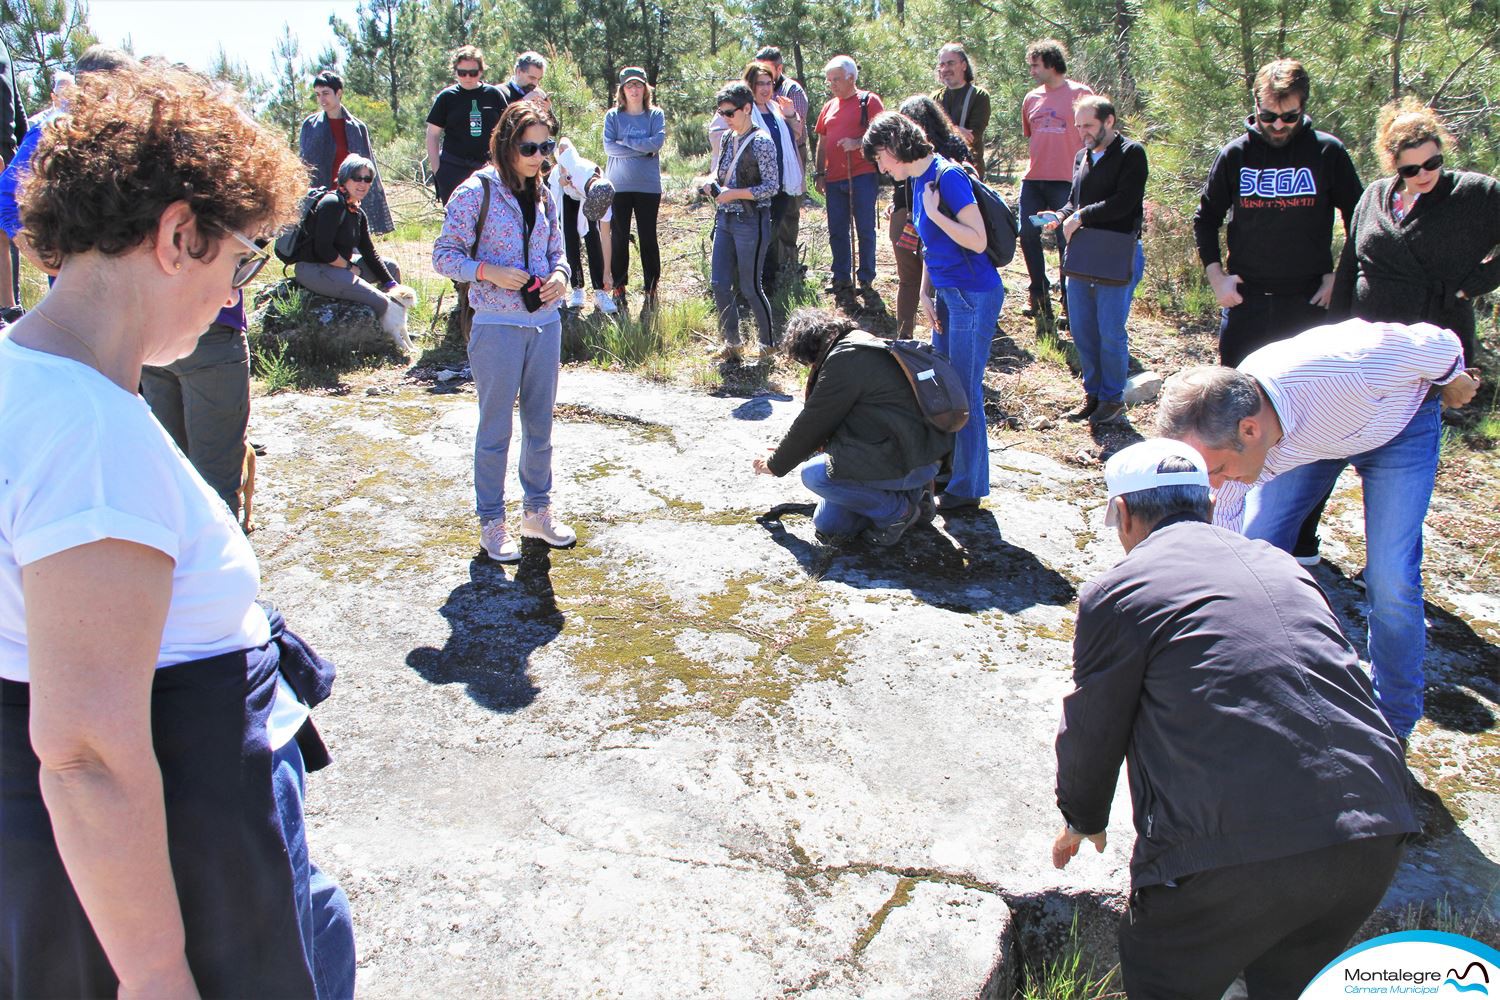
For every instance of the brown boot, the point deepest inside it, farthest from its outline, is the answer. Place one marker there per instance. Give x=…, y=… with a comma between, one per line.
x=1090, y=404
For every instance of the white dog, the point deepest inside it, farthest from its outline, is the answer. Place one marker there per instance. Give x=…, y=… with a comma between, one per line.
x=402, y=297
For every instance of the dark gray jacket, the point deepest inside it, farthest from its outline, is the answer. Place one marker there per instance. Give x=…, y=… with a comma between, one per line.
x=1214, y=667
x=860, y=410
x=315, y=146
x=1411, y=270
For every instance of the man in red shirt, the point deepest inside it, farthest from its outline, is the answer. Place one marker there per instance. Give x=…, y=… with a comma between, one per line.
x=1047, y=123
x=845, y=177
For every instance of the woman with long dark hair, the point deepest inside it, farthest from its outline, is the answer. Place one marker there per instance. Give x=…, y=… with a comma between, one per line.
x=514, y=262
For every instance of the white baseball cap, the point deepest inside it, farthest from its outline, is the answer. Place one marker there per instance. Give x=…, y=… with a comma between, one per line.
x=1133, y=469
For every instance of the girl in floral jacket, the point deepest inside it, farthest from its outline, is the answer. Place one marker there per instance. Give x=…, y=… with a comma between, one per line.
x=517, y=277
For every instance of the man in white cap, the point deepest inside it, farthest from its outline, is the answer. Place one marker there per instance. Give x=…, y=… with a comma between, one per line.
x=1270, y=797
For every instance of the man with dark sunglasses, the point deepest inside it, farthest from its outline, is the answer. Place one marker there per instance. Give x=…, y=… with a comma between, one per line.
x=1279, y=183
x=460, y=122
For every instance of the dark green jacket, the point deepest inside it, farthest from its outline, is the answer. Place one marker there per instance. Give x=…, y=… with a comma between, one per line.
x=861, y=411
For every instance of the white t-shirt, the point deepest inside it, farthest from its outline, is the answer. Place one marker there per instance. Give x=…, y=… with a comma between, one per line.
x=82, y=460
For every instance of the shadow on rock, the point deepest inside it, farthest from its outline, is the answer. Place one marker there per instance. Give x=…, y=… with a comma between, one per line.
x=966, y=567
x=758, y=408
x=495, y=624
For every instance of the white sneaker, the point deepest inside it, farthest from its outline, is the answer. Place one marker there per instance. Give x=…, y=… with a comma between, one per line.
x=1308, y=560
x=497, y=543
x=575, y=301
x=539, y=524
x=604, y=302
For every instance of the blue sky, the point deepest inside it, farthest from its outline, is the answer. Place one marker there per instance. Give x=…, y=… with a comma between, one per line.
x=191, y=31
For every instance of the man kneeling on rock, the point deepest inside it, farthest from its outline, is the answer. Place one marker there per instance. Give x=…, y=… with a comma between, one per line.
x=1269, y=793
x=879, y=454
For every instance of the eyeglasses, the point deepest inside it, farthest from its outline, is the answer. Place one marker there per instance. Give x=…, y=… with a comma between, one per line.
x=362, y=178
x=533, y=148
x=765, y=83
x=1286, y=117
x=1413, y=169
x=247, y=269
x=466, y=72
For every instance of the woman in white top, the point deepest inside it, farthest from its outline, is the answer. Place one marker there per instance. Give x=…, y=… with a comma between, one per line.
x=154, y=715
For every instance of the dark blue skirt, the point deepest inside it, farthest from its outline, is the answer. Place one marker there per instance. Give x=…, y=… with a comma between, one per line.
x=228, y=851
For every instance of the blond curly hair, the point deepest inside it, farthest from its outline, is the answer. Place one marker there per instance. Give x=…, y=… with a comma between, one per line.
x=133, y=141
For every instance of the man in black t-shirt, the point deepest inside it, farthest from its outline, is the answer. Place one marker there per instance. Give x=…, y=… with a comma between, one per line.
x=461, y=120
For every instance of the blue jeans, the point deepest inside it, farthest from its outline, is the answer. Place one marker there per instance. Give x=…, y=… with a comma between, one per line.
x=849, y=506
x=1397, y=479
x=510, y=361
x=1097, y=315
x=837, y=193
x=741, y=241
x=1035, y=197
x=322, y=908
x=968, y=328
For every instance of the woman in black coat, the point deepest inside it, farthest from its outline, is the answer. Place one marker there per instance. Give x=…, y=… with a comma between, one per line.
x=1422, y=243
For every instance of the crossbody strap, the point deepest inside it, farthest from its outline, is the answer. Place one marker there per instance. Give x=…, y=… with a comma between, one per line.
x=484, y=213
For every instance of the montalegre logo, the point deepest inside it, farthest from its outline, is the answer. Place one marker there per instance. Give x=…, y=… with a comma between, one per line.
x=1412, y=963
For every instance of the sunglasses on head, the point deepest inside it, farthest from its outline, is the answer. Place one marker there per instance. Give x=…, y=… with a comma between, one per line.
x=247, y=269
x=1413, y=169
x=466, y=72
x=1286, y=117
x=532, y=148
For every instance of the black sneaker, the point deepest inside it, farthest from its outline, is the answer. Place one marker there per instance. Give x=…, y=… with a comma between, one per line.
x=891, y=533
x=10, y=315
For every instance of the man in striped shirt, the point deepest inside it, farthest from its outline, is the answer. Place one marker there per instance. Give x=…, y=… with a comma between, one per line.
x=1277, y=431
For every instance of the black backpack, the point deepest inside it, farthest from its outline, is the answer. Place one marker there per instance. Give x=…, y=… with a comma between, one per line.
x=934, y=381
x=292, y=242
x=1000, y=224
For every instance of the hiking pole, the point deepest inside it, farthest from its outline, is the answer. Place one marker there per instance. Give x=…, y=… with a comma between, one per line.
x=849, y=180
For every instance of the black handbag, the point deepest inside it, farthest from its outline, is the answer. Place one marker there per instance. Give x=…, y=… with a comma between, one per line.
x=1102, y=256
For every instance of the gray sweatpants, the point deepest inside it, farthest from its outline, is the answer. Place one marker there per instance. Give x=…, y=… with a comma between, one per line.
x=203, y=400
x=510, y=361
x=350, y=284
x=740, y=246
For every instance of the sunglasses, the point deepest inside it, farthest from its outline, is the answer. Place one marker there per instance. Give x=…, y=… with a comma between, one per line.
x=1286, y=117
x=1413, y=169
x=729, y=112
x=247, y=269
x=362, y=178
x=533, y=148
x=466, y=72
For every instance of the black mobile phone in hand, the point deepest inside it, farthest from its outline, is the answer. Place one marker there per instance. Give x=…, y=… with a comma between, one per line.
x=1042, y=218
x=712, y=189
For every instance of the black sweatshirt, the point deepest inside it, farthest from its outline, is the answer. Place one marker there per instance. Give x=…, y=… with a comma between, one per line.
x=339, y=229
x=1282, y=200
x=1110, y=194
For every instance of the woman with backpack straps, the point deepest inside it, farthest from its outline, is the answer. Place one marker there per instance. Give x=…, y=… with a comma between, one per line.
x=905, y=245
x=513, y=259
x=956, y=273
x=337, y=258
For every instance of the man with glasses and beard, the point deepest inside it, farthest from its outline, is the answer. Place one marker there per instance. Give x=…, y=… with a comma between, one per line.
x=1279, y=182
x=461, y=120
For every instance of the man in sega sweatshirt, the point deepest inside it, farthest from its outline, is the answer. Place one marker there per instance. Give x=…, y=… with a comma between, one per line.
x=1279, y=183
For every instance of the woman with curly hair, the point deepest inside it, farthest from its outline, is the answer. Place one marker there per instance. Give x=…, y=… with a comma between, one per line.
x=514, y=263
x=1422, y=243
x=949, y=144
x=153, y=716
x=961, y=290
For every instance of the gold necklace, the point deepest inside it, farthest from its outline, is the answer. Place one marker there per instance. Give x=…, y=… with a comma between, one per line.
x=99, y=365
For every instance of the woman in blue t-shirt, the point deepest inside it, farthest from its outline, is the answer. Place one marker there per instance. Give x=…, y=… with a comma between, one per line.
x=956, y=274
